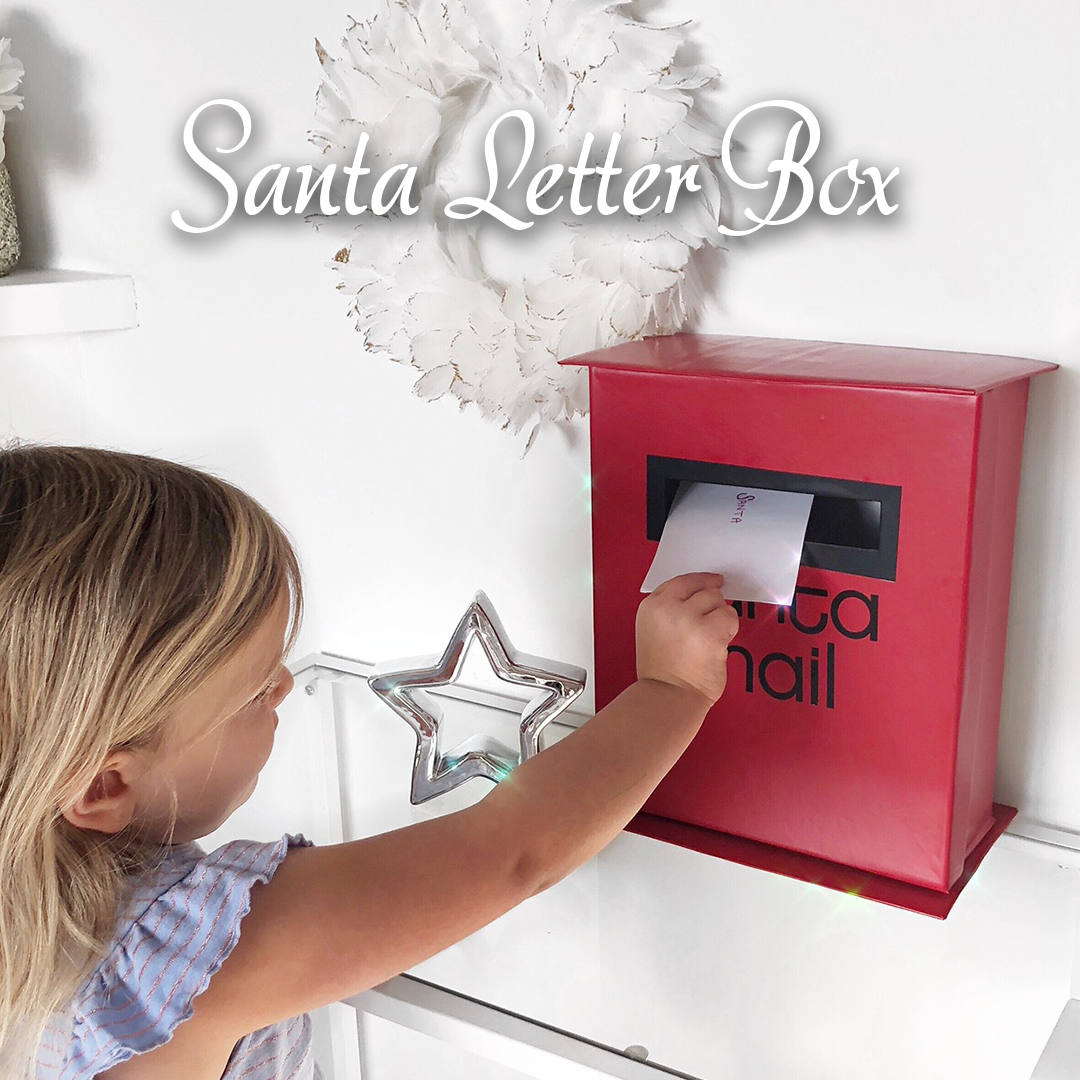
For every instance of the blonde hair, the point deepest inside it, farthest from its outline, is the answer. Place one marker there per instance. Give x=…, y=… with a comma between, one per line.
x=125, y=582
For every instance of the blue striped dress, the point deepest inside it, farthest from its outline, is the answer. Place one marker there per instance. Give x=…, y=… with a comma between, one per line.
x=178, y=925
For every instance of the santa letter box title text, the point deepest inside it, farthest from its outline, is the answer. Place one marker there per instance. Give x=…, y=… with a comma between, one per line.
x=649, y=189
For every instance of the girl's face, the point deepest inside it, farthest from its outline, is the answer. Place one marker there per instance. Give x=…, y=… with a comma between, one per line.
x=220, y=740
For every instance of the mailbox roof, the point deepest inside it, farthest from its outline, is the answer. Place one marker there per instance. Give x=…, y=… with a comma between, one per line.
x=813, y=362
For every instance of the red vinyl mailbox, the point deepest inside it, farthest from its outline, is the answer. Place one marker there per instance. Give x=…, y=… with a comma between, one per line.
x=856, y=742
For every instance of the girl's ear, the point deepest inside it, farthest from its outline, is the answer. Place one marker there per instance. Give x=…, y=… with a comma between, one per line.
x=108, y=804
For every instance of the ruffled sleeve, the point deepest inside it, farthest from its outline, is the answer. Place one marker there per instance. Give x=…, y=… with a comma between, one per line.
x=177, y=929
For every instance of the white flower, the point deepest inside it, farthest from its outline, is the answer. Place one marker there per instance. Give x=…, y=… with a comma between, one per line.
x=11, y=73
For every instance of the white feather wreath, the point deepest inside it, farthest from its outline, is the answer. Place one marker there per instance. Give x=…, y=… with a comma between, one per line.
x=482, y=311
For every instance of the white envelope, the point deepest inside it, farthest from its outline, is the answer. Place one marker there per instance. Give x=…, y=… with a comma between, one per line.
x=754, y=537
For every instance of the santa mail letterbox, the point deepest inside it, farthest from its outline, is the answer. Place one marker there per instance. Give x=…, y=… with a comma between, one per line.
x=859, y=728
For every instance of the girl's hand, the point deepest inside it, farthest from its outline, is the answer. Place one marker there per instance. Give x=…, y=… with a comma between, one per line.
x=683, y=630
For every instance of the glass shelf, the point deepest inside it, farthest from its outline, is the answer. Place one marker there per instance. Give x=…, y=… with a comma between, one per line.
x=718, y=970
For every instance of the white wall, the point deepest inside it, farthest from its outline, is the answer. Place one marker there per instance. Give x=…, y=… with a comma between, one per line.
x=245, y=362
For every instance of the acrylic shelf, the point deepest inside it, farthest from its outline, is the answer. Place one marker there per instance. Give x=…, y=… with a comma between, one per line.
x=716, y=968
x=65, y=302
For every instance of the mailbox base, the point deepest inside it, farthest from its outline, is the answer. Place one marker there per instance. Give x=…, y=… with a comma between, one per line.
x=831, y=875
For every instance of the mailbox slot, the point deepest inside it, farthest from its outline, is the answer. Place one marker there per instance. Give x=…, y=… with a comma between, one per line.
x=854, y=526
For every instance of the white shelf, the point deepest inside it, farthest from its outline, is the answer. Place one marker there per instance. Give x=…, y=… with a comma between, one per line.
x=65, y=302
x=1059, y=1059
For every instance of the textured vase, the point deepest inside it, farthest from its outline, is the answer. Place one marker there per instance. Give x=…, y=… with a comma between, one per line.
x=9, y=225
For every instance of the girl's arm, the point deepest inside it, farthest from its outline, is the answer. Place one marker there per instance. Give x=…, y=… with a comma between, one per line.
x=336, y=920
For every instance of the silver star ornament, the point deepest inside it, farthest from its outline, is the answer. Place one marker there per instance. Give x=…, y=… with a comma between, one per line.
x=402, y=685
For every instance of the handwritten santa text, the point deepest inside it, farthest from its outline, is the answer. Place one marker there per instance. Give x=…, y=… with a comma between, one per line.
x=594, y=184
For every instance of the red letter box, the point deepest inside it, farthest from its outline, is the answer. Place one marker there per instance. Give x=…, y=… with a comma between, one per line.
x=856, y=742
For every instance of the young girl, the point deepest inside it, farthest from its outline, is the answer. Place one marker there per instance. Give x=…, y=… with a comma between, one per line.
x=145, y=611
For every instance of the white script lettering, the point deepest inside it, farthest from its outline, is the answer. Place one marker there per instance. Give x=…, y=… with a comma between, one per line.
x=395, y=188
x=277, y=195
x=787, y=168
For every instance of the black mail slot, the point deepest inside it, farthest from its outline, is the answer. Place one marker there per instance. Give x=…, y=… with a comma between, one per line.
x=854, y=526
